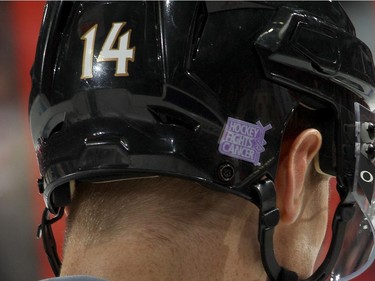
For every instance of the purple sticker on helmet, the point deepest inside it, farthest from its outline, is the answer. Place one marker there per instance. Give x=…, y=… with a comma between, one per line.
x=243, y=140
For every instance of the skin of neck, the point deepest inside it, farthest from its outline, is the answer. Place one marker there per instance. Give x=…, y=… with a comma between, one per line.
x=219, y=242
x=226, y=249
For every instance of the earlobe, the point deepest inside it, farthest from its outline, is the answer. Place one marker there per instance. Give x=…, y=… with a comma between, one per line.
x=292, y=172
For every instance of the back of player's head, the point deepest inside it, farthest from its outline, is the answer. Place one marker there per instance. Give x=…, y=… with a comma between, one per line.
x=202, y=91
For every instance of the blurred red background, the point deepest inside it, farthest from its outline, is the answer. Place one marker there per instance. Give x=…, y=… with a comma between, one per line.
x=23, y=23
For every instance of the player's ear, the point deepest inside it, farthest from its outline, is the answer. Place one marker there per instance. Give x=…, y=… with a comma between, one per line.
x=292, y=170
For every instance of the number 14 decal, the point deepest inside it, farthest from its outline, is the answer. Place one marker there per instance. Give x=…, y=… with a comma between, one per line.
x=121, y=55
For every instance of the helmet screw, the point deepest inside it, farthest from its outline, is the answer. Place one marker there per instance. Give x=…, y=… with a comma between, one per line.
x=371, y=130
x=370, y=150
x=226, y=172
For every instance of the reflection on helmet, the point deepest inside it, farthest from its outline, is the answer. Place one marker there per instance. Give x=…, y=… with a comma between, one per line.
x=119, y=88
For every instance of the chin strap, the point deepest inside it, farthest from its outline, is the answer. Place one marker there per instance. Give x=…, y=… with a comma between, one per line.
x=264, y=196
x=45, y=232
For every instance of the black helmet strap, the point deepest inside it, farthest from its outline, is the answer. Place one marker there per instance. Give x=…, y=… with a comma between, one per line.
x=45, y=232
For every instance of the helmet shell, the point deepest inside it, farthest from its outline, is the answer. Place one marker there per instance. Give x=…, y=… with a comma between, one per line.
x=125, y=89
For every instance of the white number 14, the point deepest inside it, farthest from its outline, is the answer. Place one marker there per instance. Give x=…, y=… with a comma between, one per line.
x=121, y=55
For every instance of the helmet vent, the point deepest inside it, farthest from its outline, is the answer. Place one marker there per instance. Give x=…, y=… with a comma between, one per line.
x=200, y=21
x=58, y=128
x=168, y=116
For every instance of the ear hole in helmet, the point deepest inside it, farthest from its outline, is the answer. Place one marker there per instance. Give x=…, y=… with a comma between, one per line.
x=321, y=116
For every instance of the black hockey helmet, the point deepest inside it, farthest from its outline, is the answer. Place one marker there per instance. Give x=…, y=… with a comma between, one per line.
x=203, y=91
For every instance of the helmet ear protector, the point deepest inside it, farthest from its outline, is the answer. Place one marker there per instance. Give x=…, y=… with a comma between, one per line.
x=120, y=92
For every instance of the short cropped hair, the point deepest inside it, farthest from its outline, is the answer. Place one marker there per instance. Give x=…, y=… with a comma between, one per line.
x=154, y=207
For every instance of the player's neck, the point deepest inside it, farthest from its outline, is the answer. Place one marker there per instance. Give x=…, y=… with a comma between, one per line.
x=205, y=253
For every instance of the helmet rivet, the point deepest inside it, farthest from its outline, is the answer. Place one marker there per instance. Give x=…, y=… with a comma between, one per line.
x=371, y=130
x=370, y=150
x=226, y=172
